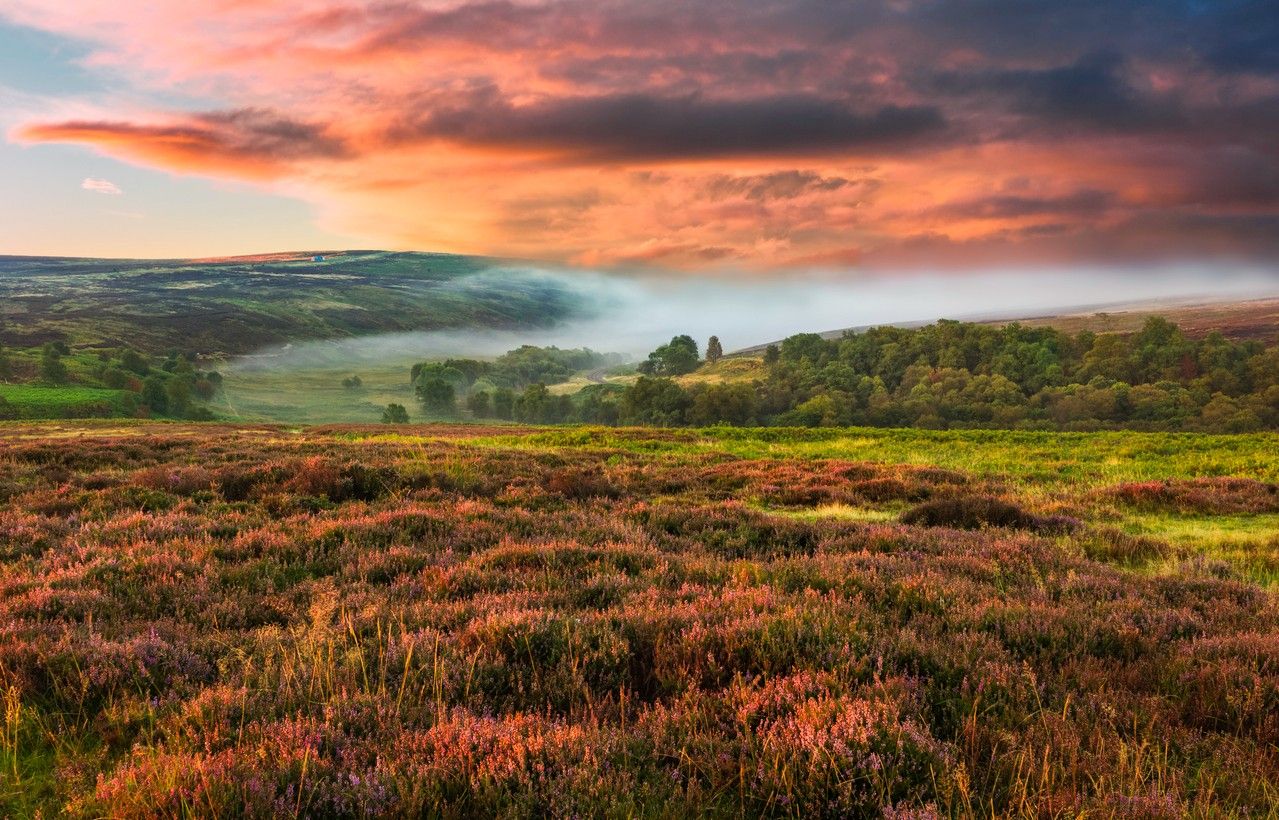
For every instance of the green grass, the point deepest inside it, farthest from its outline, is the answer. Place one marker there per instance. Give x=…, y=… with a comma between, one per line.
x=39, y=401
x=1249, y=543
x=1032, y=458
x=314, y=396
x=842, y=512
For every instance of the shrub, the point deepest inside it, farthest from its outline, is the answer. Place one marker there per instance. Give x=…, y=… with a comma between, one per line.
x=976, y=512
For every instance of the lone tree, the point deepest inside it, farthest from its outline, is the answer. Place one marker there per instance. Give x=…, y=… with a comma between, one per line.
x=52, y=368
x=353, y=382
x=395, y=414
x=714, y=351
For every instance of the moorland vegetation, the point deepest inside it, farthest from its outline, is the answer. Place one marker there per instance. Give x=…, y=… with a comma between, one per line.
x=464, y=621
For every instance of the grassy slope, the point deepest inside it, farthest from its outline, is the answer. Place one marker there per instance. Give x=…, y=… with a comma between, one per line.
x=239, y=305
x=40, y=401
x=314, y=396
x=1249, y=319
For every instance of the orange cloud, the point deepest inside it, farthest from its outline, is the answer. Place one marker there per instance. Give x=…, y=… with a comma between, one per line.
x=704, y=133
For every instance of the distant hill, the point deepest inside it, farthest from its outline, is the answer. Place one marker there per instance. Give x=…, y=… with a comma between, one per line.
x=1250, y=319
x=240, y=304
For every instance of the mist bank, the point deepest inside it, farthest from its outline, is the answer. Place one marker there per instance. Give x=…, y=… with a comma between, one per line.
x=631, y=316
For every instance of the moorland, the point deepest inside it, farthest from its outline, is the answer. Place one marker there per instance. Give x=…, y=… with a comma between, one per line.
x=255, y=620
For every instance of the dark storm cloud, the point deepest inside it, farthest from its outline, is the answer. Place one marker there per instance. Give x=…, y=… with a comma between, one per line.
x=1086, y=203
x=643, y=126
x=1091, y=91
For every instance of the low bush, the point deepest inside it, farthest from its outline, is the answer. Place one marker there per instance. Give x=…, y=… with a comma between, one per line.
x=977, y=512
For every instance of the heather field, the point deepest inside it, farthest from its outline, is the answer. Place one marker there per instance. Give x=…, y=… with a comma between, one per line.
x=459, y=621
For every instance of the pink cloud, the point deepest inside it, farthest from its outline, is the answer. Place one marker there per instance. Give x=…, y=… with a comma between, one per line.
x=697, y=133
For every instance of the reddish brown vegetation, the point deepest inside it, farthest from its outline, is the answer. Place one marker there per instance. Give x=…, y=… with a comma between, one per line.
x=1219, y=496
x=272, y=624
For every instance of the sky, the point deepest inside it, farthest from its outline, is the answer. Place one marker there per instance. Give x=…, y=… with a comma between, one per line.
x=684, y=135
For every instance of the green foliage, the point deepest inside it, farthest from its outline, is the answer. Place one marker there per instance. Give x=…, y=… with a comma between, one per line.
x=178, y=391
x=536, y=405
x=714, y=350
x=955, y=375
x=478, y=403
x=395, y=414
x=504, y=403
x=353, y=383
x=437, y=396
x=677, y=357
x=655, y=402
x=52, y=369
x=134, y=361
x=33, y=401
x=155, y=395
x=722, y=404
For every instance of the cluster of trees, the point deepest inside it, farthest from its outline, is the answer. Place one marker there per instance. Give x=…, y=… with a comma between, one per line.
x=955, y=374
x=493, y=389
x=171, y=387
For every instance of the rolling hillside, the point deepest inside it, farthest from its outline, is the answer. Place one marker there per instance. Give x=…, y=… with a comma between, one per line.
x=1250, y=319
x=237, y=305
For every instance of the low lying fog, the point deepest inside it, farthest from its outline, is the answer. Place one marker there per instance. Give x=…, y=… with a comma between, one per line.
x=633, y=315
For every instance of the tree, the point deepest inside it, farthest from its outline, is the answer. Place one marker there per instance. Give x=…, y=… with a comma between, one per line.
x=395, y=414
x=478, y=404
x=178, y=392
x=437, y=396
x=772, y=354
x=655, y=402
x=504, y=403
x=353, y=383
x=132, y=360
x=535, y=405
x=154, y=395
x=52, y=368
x=204, y=388
x=723, y=404
x=116, y=378
x=714, y=351
x=677, y=357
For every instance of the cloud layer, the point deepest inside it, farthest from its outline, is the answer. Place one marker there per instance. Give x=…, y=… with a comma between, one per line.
x=693, y=133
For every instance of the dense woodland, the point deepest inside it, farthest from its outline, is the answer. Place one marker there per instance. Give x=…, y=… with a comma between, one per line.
x=947, y=375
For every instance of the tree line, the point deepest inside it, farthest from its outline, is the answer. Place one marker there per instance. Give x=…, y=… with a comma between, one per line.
x=947, y=375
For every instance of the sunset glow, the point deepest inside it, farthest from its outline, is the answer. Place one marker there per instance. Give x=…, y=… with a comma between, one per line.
x=700, y=134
